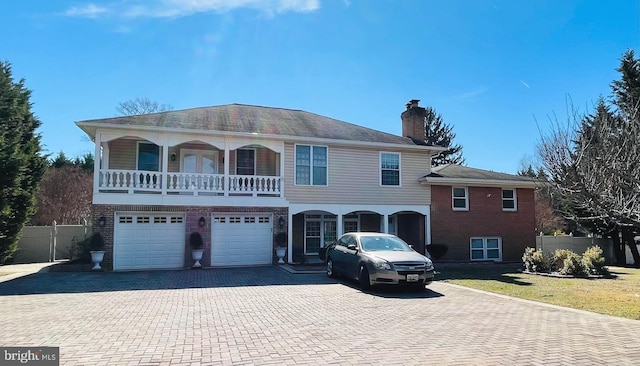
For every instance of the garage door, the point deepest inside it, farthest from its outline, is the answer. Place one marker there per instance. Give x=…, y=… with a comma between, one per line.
x=149, y=241
x=239, y=239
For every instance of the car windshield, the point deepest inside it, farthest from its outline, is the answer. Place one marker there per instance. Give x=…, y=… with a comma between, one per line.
x=383, y=243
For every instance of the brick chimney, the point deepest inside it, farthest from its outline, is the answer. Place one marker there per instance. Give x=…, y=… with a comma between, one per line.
x=413, y=121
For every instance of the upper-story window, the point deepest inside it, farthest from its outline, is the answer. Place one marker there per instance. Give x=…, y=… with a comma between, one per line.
x=460, y=198
x=148, y=157
x=245, y=162
x=509, y=200
x=311, y=165
x=389, y=169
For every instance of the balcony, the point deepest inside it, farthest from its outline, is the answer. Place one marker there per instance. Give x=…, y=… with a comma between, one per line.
x=191, y=184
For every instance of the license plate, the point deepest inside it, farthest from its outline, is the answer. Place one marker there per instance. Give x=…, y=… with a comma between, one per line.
x=412, y=278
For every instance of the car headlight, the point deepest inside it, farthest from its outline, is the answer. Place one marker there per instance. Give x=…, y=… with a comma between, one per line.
x=382, y=265
x=429, y=266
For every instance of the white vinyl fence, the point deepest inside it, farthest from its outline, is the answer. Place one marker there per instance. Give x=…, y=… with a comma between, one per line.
x=549, y=244
x=48, y=243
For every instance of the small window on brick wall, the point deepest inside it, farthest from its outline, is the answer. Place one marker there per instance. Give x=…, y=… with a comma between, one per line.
x=509, y=201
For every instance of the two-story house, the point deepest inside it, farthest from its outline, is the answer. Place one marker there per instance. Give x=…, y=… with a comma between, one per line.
x=237, y=174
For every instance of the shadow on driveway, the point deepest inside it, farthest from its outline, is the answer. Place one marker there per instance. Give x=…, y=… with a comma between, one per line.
x=392, y=292
x=77, y=282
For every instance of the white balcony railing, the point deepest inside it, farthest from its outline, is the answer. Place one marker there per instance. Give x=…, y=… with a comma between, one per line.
x=136, y=181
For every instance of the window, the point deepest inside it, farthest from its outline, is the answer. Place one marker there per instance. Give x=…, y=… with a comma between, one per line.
x=245, y=162
x=509, y=202
x=199, y=161
x=319, y=231
x=148, y=157
x=390, y=169
x=460, y=197
x=350, y=223
x=489, y=248
x=311, y=165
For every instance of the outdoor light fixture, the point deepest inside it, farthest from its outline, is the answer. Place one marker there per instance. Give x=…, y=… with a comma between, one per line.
x=202, y=222
x=102, y=221
x=173, y=156
x=281, y=223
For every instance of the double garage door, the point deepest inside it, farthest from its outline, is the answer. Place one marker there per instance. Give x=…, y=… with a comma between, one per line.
x=157, y=240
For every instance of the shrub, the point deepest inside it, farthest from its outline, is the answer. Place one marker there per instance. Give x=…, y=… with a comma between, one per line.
x=569, y=263
x=437, y=251
x=593, y=261
x=96, y=242
x=535, y=261
x=195, y=240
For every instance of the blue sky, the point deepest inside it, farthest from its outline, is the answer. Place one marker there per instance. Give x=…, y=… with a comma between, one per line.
x=496, y=70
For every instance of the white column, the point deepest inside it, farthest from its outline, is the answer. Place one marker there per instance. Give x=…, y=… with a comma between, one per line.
x=97, y=163
x=226, y=169
x=385, y=223
x=427, y=228
x=165, y=168
x=290, y=239
x=339, y=226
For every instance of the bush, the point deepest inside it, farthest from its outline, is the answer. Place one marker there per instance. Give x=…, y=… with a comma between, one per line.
x=535, y=261
x=593, y=261
x=96, y=242
x=437, y=251
x=569, y=263
x=79, y=250
x=195, y=240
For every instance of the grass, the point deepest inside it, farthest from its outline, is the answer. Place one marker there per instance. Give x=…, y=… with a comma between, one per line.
x=617, y=295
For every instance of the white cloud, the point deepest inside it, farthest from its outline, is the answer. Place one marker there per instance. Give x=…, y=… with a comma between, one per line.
x=525, y=84
x=183, y=8
x=86, y=11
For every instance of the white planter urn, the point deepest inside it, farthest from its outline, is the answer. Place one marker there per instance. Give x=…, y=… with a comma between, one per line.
x=280, y=252
x=97, y=256
x=196, y=255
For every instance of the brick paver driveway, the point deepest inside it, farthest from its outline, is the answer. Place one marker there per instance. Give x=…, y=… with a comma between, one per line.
x=269, y=316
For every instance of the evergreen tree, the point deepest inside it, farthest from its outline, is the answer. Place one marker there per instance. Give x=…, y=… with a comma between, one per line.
x=626, y=91
x=21, y=164
x=441, y=134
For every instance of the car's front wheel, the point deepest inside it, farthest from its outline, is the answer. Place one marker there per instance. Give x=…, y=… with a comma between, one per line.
x=330, y=271
x=365, y=283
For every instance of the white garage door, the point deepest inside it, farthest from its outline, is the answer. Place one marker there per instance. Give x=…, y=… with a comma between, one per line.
x=149, y=241
x=239, y=239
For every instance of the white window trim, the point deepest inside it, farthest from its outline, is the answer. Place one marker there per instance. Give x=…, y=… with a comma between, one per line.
x=484, y=248
x=515, y=200
x=199, y=155
x=255, y=158
x=138, y=154
x=295, y=165
x=466, y=199
x=399, y=168
x=322, y=219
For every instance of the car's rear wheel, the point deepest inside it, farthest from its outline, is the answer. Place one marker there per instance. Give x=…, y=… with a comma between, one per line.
x=330, y=271
x=365, y=283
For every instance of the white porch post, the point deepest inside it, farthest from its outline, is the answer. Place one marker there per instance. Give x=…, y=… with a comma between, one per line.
x=385, y=223
x=290, y=238
x=227, y=177
x=97, y=163
x=427, y=228
x=339, y=226
x=165, y=168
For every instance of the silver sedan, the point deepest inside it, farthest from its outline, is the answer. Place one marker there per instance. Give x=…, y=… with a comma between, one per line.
x=375, y=258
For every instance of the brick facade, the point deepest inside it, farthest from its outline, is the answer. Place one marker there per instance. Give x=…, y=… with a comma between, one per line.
x=192, y=217
x=485, y=217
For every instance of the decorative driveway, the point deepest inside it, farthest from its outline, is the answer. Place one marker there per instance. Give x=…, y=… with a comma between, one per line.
x=267, y=316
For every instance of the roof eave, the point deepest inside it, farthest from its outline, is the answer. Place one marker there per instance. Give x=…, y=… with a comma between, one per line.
x=90, y=129
x=443, y=181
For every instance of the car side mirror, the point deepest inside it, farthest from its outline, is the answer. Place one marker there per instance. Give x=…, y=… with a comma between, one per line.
x=351, y=247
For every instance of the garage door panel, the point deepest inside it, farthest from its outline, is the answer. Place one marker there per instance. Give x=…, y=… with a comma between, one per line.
x=149, y=241
x=241, y=239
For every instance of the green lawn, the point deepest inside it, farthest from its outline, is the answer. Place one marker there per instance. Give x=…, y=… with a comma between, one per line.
x=618, y=295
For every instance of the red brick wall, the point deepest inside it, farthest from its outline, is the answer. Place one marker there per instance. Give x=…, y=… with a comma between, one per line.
x=484, y=218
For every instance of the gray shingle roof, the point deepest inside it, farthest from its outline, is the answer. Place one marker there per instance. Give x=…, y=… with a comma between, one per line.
x=241, y=118
x=454, y=172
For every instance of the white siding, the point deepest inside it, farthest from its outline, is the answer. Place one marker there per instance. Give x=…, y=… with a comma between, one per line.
x=354, y=177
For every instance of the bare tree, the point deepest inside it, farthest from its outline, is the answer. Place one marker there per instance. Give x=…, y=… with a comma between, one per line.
x=65, y=196
x=138, y=106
